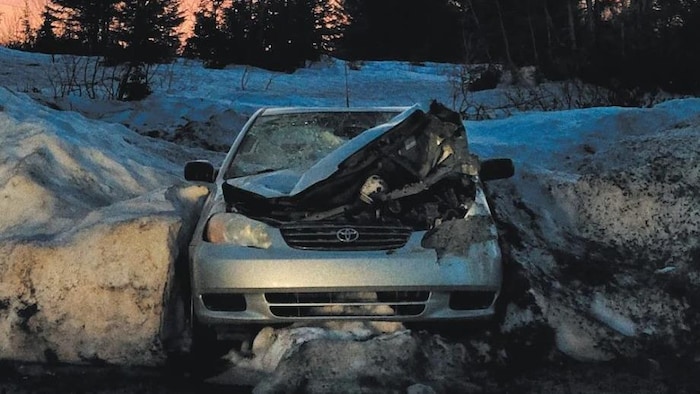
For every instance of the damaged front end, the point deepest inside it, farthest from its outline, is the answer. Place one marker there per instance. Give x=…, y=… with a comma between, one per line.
x=416, y=174
x=300, y=190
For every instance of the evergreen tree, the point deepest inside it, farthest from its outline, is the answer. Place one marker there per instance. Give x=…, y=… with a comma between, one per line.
x=242, y=33
x=46, y=40
x=208, y=41
x=290, y=35
x=147, y=31
x=275, y=34
x=88, y=22
x=28, y=37
x=416, y=30
x=146, y=35
x=306, y=37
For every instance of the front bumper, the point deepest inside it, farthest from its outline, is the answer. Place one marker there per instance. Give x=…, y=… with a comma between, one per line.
x=258, y=276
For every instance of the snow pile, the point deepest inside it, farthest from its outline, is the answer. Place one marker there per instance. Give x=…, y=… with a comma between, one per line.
x=59, y=166
x=91, y=229
x=353, y=357
x=602, y=220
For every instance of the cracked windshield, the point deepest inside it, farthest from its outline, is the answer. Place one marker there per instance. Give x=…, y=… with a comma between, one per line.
x=297, y=141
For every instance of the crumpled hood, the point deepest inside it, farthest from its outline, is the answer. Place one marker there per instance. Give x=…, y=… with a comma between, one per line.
x=374, y=175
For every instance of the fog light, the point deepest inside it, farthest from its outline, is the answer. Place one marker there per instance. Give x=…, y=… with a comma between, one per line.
x=467, y=300
x=224, y=302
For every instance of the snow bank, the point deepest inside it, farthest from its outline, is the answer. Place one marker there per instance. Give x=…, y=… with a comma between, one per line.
x=604, y=200
x=95, y=293
x=58, y=166
x=91, y=230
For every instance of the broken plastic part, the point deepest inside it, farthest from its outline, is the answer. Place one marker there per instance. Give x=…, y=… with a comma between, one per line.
x=373, y=185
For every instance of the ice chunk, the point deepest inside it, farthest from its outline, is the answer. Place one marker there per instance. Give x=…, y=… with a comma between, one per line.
x=571, y=340
x=614, y=320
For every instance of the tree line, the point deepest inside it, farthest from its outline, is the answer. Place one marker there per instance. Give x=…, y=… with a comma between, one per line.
x=130, y=33
x=119, y=30
x=647, y=44
x=278, y=35
x=620, y=44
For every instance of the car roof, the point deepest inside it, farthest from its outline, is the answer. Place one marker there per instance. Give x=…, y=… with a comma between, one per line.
x=299, y=110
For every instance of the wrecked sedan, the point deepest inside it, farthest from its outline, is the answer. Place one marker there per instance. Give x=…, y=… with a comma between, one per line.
x=342, y=213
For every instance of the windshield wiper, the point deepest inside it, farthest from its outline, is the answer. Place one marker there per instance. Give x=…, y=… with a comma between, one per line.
x=264, y=171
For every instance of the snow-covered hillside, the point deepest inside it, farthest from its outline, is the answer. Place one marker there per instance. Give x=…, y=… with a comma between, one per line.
x=601, y=226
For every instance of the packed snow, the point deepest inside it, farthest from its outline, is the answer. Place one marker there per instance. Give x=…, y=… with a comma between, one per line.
x=601, y=227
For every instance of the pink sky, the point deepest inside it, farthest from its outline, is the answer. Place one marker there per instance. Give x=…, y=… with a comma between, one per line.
x=11, y=14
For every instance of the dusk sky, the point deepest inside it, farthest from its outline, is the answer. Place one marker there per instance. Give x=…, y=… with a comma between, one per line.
x=11, y=14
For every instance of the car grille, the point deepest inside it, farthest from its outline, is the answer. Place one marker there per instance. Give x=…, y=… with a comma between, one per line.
x=348, y=304
x=330, y=236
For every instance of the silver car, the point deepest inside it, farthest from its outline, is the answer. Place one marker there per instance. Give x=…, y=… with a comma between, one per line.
x=346, y=213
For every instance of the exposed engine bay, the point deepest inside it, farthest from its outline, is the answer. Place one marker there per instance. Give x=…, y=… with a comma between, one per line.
x=418, y=173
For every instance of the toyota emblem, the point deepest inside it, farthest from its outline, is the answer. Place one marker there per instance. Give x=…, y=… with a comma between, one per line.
x=347, y=234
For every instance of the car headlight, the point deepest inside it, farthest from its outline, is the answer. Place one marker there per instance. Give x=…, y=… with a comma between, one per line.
x=232, y=228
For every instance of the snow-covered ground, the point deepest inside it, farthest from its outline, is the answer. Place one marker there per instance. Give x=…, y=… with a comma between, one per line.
x=601, y=226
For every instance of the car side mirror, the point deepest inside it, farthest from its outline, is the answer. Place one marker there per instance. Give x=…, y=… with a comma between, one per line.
x=200, y=171
x=493, y=169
